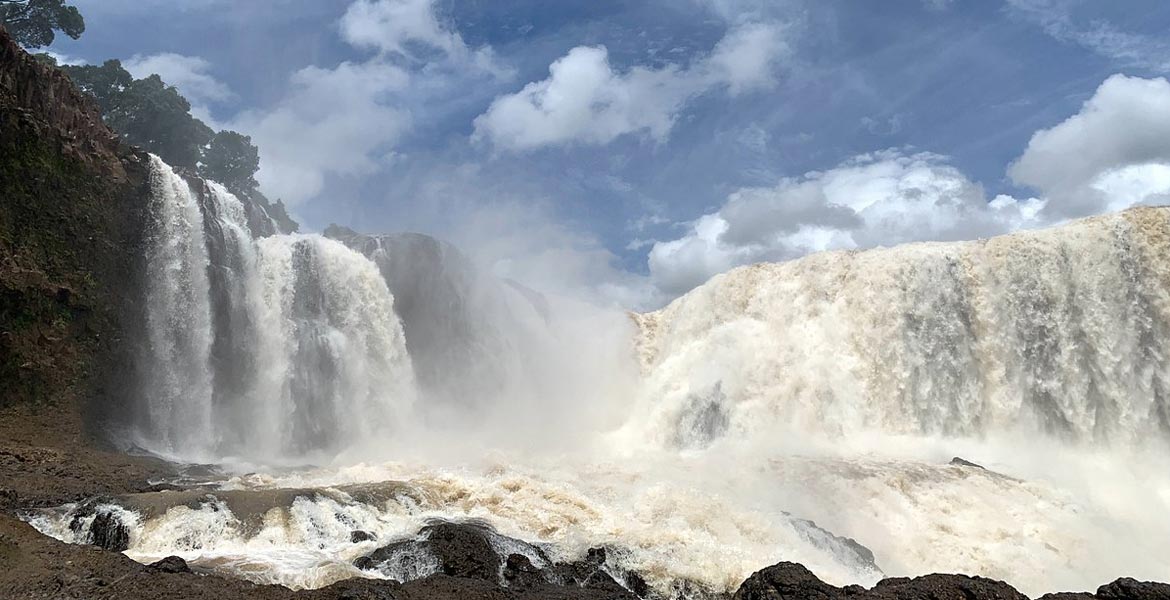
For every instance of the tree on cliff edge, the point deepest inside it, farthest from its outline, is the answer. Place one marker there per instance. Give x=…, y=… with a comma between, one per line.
x=33, y=23
x=147, y=111
x=232, y=160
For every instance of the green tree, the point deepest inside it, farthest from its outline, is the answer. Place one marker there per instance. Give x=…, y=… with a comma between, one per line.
x=34, y=23
x=232, y=160
x=151, y=114
x=147, y=112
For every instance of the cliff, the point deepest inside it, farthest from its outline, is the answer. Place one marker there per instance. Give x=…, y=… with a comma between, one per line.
x=71, y=227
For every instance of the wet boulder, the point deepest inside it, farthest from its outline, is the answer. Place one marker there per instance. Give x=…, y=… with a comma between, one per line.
x=520, y=572
x=589, y=572
x=170, y=564
x=1132, y=589
x=358, y=536
x=791, y=581
x=943, y=587
x=962, y=462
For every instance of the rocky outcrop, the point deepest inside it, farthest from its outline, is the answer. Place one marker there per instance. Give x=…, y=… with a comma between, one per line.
x=71, y=227
x=456, y=316
x=791, y=581
x=43, y=96
x=474, y=551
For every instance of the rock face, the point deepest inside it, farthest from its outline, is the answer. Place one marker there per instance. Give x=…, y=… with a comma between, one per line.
x=456, y=317
x=71, y=227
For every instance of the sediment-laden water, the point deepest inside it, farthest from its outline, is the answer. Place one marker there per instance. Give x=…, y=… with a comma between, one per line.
x=374, y=384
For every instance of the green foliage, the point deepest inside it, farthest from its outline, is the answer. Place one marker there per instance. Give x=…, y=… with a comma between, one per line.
x=232, y=160
x=34, y=23
x=147, y=112
x=151, y=114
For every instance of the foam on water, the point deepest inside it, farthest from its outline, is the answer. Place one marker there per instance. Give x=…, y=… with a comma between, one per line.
x=697, y=445
x=272, y=349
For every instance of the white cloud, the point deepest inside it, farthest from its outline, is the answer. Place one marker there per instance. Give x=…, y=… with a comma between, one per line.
x=1057, y=20
x=347, y=120
x=938, y=5
x=411, y=29
x=1112, y=153
x=190, y=74
x=586, y=101
x=389, y=25
x=332, y=121
x=394, y=25
x=875, y=199
x=64, y=59
x=746, y=57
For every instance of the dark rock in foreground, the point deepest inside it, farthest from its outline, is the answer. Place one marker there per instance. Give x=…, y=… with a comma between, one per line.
x=959, y=461
x=358, y=536
x=171, y=564
x=474, y=551
x=791, y=581
x=109, y=533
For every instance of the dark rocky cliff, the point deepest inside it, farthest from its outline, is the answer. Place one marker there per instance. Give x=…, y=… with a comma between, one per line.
x=72, y=204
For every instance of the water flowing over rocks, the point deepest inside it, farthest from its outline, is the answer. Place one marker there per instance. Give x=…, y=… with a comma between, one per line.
x=1056, y=332
x=144, y=305
x=289, y=344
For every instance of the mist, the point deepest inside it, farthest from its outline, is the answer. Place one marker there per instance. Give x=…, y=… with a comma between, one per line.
x=669, y=292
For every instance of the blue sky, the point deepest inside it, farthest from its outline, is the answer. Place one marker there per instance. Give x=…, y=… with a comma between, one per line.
x=672, y=139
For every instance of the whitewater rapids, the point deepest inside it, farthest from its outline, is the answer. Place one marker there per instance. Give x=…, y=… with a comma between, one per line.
x=697, y=442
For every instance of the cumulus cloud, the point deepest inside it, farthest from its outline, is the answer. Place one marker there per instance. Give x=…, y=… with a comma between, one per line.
x=331, y=121
x=884, y=198
x=411, y=29
x=347, y=120
x=190, y=74
x=585, y=100
x=389, y=25
x=1113, y=153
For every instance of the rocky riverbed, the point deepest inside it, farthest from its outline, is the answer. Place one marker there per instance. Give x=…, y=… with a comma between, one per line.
x=46, y=461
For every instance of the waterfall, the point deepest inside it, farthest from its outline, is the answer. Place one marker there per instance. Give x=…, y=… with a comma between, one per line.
x=341, y=372
x=178, y=314
x=1058, y=332
x=803, y=411
x=285, y=345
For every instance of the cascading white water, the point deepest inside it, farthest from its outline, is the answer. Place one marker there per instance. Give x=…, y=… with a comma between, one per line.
x=340, y=374
x=1059, y=332
x=267, y=349
x=178, y=314
x=834, y=388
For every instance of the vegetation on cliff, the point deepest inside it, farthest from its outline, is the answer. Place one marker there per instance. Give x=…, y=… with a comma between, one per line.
x=34, y=23
x=70, y=225
x=154, y=116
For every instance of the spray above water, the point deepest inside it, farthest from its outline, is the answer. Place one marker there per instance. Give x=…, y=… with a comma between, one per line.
x=267, y=348
x=1058, y=332
x=698, y=443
